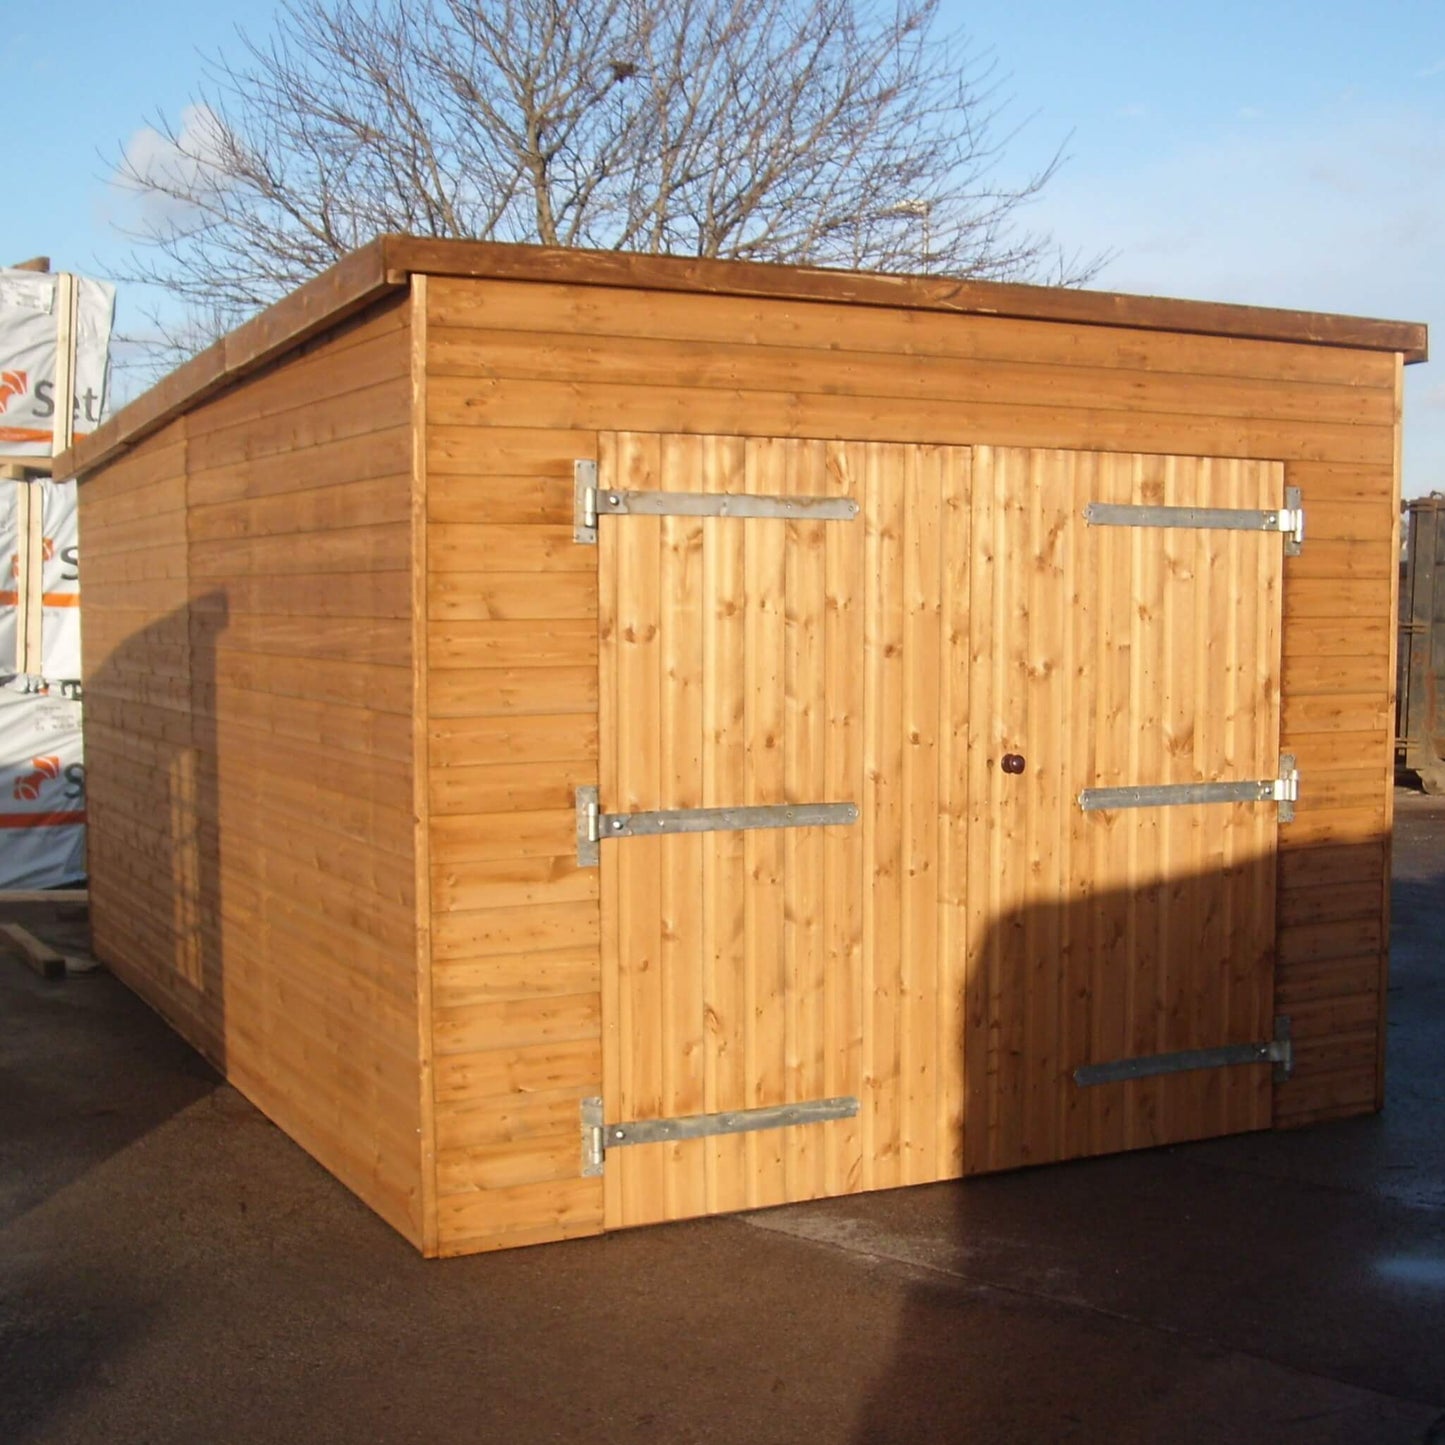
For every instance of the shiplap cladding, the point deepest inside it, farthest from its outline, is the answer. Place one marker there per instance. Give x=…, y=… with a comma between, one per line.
x=249, y=734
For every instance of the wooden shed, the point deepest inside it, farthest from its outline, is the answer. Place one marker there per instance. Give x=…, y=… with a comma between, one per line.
x=586, y=739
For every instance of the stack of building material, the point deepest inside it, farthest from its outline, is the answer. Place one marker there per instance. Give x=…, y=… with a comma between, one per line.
x=54, y=372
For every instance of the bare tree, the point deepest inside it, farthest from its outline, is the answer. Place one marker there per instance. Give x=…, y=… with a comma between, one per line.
x=834, y=132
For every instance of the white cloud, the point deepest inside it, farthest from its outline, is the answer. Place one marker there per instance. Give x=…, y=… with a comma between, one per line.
x=1343, y=213
x=157, y=170
x=1432, y=397
x=1306, y=217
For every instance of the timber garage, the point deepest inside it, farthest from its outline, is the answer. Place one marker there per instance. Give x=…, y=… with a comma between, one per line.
x=584, y=739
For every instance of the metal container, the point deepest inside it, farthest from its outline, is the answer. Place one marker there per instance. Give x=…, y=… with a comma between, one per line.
x=1419, y=724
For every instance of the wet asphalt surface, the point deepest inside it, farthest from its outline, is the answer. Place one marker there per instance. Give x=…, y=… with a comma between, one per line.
x=173, y=1269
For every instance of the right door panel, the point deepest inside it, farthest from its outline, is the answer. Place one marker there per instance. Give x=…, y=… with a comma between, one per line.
x=1110, y=657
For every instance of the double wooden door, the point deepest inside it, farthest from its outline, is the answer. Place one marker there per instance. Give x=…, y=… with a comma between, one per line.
x=959, y=659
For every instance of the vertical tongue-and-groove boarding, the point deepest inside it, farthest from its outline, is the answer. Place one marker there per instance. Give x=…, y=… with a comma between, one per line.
x=731, y=960
x=882, y=900
x=1139, y=650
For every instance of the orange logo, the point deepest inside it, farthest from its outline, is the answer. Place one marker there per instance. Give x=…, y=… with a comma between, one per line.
x=47, y=554
x=12, y=383
x=28, y=785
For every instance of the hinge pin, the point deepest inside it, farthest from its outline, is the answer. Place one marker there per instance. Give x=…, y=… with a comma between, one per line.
x=1292, y=522
x=1286, y=787
x=584, y=502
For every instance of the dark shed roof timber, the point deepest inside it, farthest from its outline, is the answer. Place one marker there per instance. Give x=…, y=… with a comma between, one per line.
x=387, y=264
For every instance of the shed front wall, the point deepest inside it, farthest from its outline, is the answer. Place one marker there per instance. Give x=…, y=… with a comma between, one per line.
x=522, y=379
x=249, y=735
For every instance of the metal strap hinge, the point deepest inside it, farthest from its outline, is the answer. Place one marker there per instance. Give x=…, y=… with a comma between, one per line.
x=1288, y=520
x=1278, y=1051
x=598, y=1137
x=1284, y=790
x=590, y=502
x=593, y=825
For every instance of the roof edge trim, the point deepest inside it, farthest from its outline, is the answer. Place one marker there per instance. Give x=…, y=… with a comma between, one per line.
x=387, y=263
x=358, y=279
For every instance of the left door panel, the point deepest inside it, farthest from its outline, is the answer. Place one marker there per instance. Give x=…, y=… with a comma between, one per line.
x=730, y=656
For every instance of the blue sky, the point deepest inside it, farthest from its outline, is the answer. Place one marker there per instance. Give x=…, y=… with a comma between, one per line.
x=1283, y=154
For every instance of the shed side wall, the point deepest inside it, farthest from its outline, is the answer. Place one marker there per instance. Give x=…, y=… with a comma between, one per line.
x=249, y=680
x=522, y=377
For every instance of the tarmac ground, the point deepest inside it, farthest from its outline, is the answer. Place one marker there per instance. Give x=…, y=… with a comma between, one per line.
x=173, y=1269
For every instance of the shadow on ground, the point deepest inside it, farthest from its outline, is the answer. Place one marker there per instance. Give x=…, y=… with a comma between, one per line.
x=85, y=1070
x=1261, y=1287
x=172, y=1269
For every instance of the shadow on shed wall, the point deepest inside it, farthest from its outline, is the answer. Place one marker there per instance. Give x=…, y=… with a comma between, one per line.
x=163, y=937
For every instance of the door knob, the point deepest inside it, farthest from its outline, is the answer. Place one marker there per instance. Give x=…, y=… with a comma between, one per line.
x=1012, y=762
